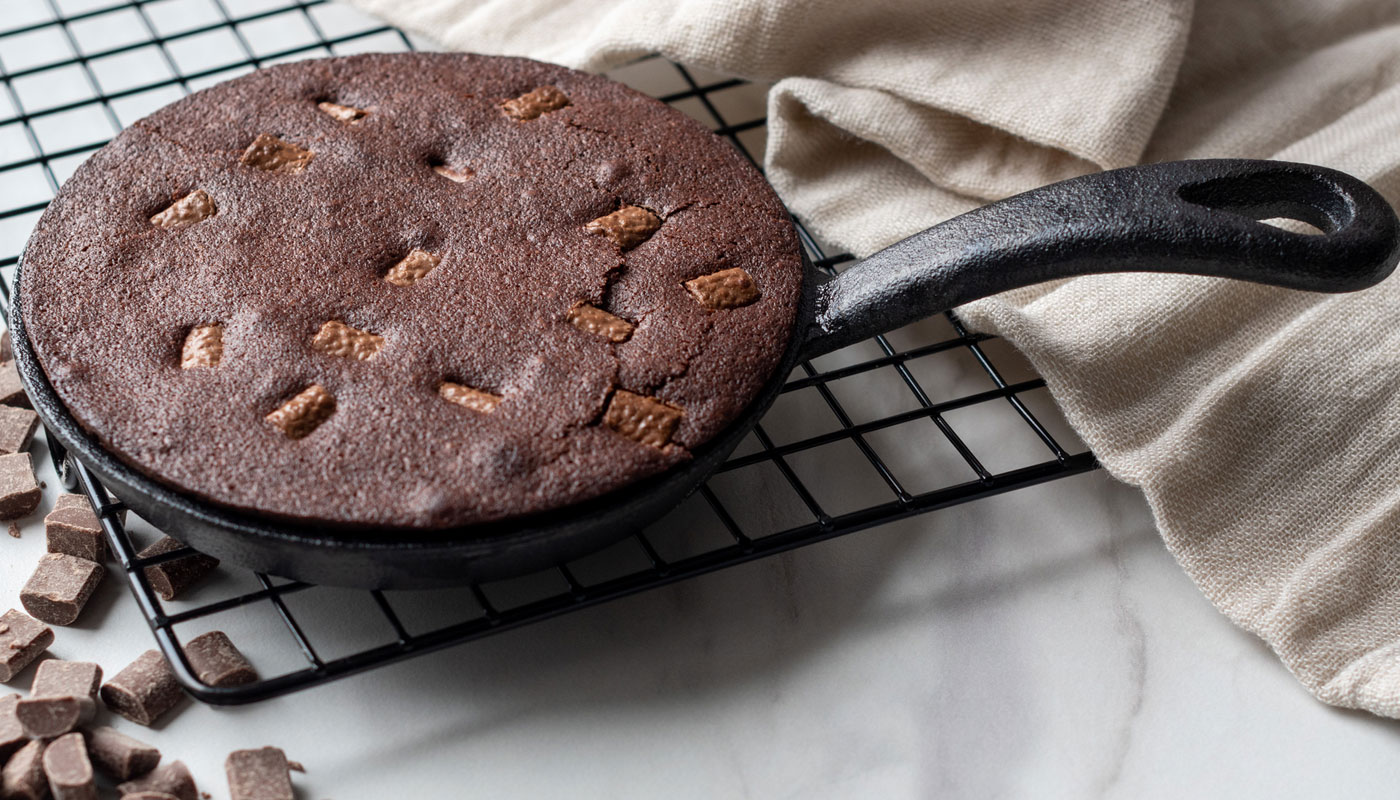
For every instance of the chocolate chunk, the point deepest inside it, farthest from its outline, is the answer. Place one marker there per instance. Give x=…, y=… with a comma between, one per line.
x=170, y=579
x=642, y=418
x=262, y=774
x=188, y=210
x=7, y=348
x=338, y=339
x=458, y=175
x=47, y=717
x=72, y=528
x=173, y=779
x=67, y=767
x=204, y=346
x=728, y=288
x=22, y=639
x=13, y=530
x=56, y=677
x=304, y=413
x=60, y=587
x=628, y=226
x=599, y=322
x=144, y=690
x=17, y=427
x=19, y=492
x=11, y=732
x=23, y=775
x=119, y=755
x=11, y=388
x=412, y=268
x=271, y=154
x=217, y=662
x=475, y=399
x=343, y=113
x=534, y=103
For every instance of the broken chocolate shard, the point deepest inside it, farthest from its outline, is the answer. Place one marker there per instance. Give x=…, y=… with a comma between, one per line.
x=271, y=154
x=412, y=268
x=338, y=339
x=56, y=677
x=641, y=418
x=627, y=227
x=535, y=103
x=457, y=175
x=68, y=769
x=170, y=579
x=17, y=426
x=72, y=528
x=144, y=690
x=193, y=207
x=11, y=388
x=204, y=347
x=60, y=587
x=262, y=774
x=217, y=662
x=594, y=320
x=173, y=779
x=342, y=113
x=23, y=775
x=120, y=756
x=467, y=397
x=728, y=288
x=305, y=412
x=47, y=717
x=19, y=492
x=22, y=639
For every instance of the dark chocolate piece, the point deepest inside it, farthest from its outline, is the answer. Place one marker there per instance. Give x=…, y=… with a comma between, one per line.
x=217, y=662
x=23, y=775
x=728, y=288
x=492, y=314
x=262, y=774
x=412, y=267
x=173, y=779
x=170, y=579
x=144, y=690
x=627, y=227
x=11, y=732
x=47, y=717
x=120, y=756
x=305, y=412
x=338, y=339
x=466, y=396
x=11, y=388
x=456, y=175
x=598, y=322
x=204, y=346
x=60, y=587
x=72, y=528
x=22, y=639
x=57, y=677
x=641, y=418
x=271, y=154
x=67, y=767
x=17, y=426
x=193, y=207
x=343, y=113
x=535, y=103
x=19, y=492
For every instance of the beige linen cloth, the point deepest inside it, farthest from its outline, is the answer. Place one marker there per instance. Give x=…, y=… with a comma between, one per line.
x=1262, y=424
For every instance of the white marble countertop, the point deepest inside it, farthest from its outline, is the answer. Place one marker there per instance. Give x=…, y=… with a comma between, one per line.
x=1037, y=644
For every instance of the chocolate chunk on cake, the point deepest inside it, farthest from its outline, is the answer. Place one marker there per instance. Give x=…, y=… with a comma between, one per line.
x=411, y=290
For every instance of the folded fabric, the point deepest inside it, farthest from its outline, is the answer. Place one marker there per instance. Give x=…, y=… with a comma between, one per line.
x=1261, y=423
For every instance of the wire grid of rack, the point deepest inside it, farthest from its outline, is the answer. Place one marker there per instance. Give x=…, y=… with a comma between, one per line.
x=882, y=431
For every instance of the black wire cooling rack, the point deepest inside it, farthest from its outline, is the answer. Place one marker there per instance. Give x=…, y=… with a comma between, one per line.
x=900, y=425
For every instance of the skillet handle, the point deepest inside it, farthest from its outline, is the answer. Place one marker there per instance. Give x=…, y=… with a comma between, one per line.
x=1195, y=217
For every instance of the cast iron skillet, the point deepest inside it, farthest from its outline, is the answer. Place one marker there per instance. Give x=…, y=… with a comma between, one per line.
x=1196, y=217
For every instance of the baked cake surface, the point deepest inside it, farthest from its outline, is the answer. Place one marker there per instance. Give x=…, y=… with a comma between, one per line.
x=420, y=290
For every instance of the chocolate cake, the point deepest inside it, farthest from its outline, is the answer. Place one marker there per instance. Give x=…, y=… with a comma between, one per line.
x=416, y=290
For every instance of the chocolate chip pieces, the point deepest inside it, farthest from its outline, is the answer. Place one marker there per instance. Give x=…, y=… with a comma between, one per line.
x=19, y=492
x=172, y=578
x=535, y=103
x=338, y=339
x=22, y=639
x=412, y=268
x=193, y=207
x=641, y=418
x=271, y=154
x=172, y=780
x=594, y=320
x=68, y=769
x=72, y=528
x=63, y=696
x=627, y=227
x=144, y=690
x=17, y=426
x=204, y=347
x=119, y=755
x=217, y=662
x=342, y=113
x=263, y=774
x=60, y=587
x=467, y=397
x=303, y=413
x=728, y=288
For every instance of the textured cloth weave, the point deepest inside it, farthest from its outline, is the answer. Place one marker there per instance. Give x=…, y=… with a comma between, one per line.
x=1262, y=424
